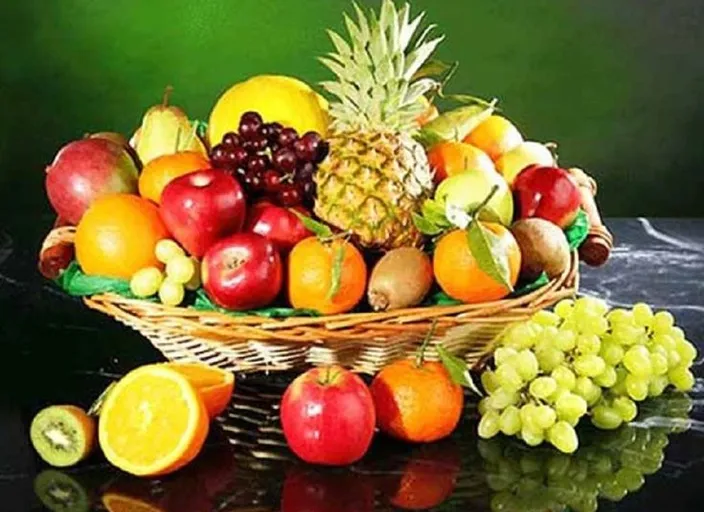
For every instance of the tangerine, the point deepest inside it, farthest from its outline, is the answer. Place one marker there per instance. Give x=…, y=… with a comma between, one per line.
x=458, y=273
x=495, y=136
x=451, y=158
x=161, y=170
x=310, y=276
x=117, y=235
x=416, y=401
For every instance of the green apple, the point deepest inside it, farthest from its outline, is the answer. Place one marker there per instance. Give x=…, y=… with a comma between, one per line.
x=468, y=189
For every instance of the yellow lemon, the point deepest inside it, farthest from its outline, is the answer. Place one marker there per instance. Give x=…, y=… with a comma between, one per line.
x=283, y=99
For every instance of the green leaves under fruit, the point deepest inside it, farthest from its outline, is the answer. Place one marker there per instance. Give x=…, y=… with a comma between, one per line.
x=577, y=232
x=426, y=226
x=489, y=253
x=457, y=368
x=317, y=228
x=432, y=220
x=336, y=271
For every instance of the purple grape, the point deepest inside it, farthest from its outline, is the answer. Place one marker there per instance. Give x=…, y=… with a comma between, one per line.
x=237, y=156
x=218, y=155
x=258, y=163
x=272, y=180
x=323, y=150
x=306, y=171
x=287, y=137
x=285, y=160
x=288, y=195
x=308, y=188
x=250, y=122
x=275, y=129
x=306, y=147
x=248, y=146
x=259, y=142
x=231, y=139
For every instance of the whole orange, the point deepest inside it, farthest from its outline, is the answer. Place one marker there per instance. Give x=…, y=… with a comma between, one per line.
x=458, y=273
x=450, y=158
x=416, y=402
x=117, y=235
x=160, y=171
x=495, y=136
x=310, y=276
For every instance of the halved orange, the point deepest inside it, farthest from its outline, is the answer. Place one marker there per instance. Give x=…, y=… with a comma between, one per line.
x=214, y=385
x=153, y=422
x=116, y=502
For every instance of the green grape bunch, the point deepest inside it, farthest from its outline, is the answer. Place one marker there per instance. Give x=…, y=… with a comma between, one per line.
x=581, y=359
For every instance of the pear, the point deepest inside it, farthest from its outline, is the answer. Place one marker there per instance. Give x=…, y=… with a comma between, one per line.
x=165, y=130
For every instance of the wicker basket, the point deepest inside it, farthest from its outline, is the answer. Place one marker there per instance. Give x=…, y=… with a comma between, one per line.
x=363, y=342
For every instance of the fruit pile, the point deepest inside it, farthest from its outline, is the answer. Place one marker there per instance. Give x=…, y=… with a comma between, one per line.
x=285, y=201
x=581, y=359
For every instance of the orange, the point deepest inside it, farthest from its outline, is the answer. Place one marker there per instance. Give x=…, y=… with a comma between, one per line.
x=458, y=273
x=495, y=136
x=153, y=422
x=214, y=385
x=451, y=158
x=117, y=235
x=416, y=402
x=160, y=171
x=310, y=267
x=117, y=502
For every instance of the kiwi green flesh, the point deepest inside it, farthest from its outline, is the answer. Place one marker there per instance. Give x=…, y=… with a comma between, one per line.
x=58, y=437
x=60, y=492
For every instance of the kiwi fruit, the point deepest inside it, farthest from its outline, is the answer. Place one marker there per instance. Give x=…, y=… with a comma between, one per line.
x=544, y=248
x=60, y=492
x=400, y=279
x=63, y=435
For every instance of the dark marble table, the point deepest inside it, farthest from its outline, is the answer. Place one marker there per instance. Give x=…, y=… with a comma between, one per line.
x=54, y=350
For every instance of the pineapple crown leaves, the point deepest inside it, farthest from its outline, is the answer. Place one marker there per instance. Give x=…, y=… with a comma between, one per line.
x=375, y=87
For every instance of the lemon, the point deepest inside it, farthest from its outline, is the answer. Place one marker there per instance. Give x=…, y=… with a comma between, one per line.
x=281, y=99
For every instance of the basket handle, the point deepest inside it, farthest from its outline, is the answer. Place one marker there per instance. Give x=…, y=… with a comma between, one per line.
x=596, y=249
x=57, y=252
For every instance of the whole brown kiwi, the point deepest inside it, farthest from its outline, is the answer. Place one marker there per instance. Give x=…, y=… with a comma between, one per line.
x=544, y=247
x=401, y=279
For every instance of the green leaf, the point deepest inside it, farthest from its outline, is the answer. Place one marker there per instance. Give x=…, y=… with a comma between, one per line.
x=441, y=299
x=453, y=125
x=487, y=250
x=457, y=368
x=525, y=288
x=469, y=100
x=201, y=127
x=425, y=226
x=435, y=213
x=432, y=68
x=336, y=277
x=577, y=232
x=203, y=303
x=74, y=282
x=317, y=228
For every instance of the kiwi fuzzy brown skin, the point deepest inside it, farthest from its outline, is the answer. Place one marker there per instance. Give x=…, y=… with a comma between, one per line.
x=63, y=435
x=544, y=247
x=400, y=279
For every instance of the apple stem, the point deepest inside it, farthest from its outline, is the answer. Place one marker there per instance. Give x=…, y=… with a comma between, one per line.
x=328, y=377
x=420, y=355
x=486, y=200
x=167, y=93
x=552, y=147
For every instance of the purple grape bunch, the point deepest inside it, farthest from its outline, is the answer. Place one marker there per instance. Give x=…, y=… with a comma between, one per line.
x=271, y=161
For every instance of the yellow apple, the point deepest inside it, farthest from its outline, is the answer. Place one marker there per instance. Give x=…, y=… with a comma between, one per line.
x=520, y=157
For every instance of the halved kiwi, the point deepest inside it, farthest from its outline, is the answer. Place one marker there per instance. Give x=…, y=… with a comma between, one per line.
x=60, y=492
x=63, y=435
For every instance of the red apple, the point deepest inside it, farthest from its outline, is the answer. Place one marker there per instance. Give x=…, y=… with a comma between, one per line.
x=242, y=271
x=308, y=489
x=547, y=192
x=86, y=169
x=278, y=224
x=201, y=208
x=328, y=416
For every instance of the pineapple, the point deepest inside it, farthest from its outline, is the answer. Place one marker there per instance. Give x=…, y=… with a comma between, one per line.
x=376, y=175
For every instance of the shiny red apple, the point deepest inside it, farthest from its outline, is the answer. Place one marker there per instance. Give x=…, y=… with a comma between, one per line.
x=308, y=489
x=278, y=224
x=547, y=192
x=201, y=208
x=242, y=271
x=86, y=169
x=328, y=416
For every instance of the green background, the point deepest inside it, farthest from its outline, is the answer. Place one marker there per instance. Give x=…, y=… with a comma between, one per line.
x=617, y=84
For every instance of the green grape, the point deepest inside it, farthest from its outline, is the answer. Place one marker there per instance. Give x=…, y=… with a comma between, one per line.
x=597, y=325
x=602, y=465
x=658, y=441
x=530, y=463
x=527, y=412
x=557, y=466
x=589, y=365
x=636, y=387
x=504, y=355
x=519, y=336
x=619, y=316
x=532, y=437
x=502, y=398
x=681, y=378
x=565, y=340
x=687, y=351
x=658, y=363
x=673, y=358
x=657, y=385
x=677, y=333
x=483, y=405
x=607, y=378
x=549, y=358
x=613, y=490
x=559, y=393
x=489, y=425
x=489, y=383
x=626, y=334
x=585, y=388
x=510, y=420
x=544, y=416
x=503, y=502
x=666, y=341
x=508, y=377
x=542, y=387
x=544, y=317
x=637, y=361
x=658, y=349
x=546, y=338
x=570, y=407
x=625, y=407
x=564, y=377
x=564, y=308
x=498, y=482
x=663, y=321
x=651, y=465
x=642, y=315
x=527, y=364
x=588, y=344
x=630, y=478
x=563, y=437
x=611, y=352
x=588, y=503
x=605, y=417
